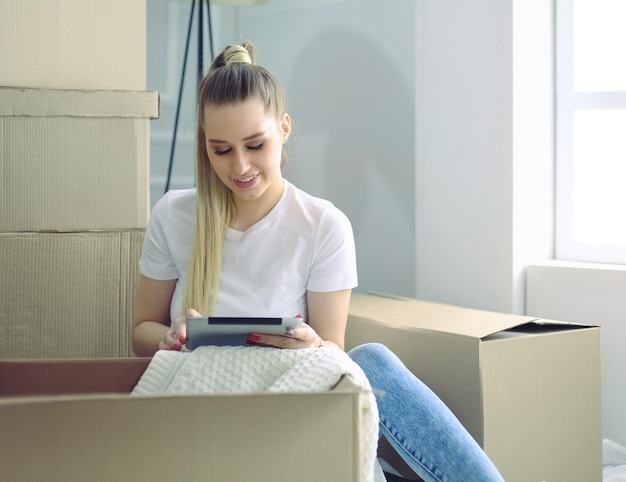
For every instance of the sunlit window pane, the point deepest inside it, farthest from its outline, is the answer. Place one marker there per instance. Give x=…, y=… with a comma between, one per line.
x=599, y=45
x=599, y=176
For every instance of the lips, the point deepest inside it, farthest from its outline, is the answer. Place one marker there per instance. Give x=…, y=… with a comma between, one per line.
x=246, y=182
x=247, y=179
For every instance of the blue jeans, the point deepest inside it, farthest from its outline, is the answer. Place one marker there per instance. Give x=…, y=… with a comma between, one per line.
x=418, y=425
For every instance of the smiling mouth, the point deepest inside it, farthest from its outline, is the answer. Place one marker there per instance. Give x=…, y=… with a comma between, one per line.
x=247, y=179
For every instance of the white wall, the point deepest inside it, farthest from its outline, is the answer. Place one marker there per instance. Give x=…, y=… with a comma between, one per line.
x=484, y=149
x=464, y=157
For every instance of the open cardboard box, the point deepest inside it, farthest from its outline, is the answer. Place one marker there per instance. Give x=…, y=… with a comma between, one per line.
x=73, y=420
x=528, y=390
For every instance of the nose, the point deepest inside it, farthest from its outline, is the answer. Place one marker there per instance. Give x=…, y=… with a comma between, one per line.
x=240, y=163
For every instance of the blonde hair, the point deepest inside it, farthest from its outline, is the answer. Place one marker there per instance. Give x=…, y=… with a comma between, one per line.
x=232, y=78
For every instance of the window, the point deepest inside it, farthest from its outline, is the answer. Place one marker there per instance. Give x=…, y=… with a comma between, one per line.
x=591, y=130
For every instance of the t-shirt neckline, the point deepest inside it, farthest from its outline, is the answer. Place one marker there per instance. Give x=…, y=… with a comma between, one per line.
x=234, y=234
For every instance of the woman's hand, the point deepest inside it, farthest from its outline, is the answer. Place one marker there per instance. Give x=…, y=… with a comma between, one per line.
x=301, y=337
x=176, y=337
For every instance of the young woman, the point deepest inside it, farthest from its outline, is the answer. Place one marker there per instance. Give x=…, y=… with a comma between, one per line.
x=246, y=242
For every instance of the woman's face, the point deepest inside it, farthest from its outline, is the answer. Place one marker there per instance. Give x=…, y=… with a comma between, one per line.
x=244, y=145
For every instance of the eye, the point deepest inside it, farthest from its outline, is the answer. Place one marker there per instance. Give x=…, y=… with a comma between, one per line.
x=257, y=147
x=221, y=152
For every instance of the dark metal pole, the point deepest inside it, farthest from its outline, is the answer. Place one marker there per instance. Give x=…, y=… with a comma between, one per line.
x=180, y=95
x=200, y=42
x=208, y=4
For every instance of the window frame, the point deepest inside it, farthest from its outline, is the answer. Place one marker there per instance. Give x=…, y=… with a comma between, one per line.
x=568, y=102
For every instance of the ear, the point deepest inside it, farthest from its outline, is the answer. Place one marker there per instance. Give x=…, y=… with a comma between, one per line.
x=285, y=126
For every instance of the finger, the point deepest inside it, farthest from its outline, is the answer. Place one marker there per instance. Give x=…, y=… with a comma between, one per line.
x=312, y=340
x=276, y=341
x=170, y=341
x=170, y=337
x=163, y=346
x=305, y=333
x=179, y=327
x=191, y=313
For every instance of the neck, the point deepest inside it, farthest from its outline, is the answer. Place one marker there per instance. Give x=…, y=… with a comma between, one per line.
x=248, y=212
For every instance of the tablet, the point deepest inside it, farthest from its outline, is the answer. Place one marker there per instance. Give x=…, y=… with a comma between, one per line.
x=233, y=331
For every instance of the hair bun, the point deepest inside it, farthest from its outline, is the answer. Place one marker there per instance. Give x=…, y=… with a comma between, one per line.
x=239, y=54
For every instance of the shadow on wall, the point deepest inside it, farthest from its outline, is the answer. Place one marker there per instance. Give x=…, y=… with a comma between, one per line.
x=356, y=114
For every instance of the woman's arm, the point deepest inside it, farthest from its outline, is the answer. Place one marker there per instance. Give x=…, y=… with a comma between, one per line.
x=151, y=320
x=328, y=315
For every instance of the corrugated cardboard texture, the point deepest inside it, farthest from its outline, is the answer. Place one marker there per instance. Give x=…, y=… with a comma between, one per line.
x=74, y=161
x=308, y=437
x=73, y=44
x=67, y=295
x=527, y=390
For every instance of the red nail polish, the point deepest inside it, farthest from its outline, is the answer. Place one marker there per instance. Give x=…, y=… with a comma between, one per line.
x=177, y=347
x=298, y=315
x=253, y=339
x=182, y=340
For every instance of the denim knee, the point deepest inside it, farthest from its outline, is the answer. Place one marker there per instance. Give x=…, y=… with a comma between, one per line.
x=370, y=352
x=377, y=360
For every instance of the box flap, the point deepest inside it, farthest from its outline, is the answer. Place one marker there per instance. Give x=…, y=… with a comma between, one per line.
x=412, y=314
x=78, y=103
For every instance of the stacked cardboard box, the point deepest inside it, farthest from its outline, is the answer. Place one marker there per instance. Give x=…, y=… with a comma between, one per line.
x=73, y=44
x=75, y=203
x=74, y=174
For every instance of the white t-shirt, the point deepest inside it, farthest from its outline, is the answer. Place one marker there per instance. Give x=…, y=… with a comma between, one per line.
x=304, y=243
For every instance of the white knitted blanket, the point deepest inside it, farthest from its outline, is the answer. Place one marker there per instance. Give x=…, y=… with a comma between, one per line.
x=238, y=369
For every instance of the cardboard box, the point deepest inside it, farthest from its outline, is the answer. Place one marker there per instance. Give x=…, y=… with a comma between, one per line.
x=98, y=436
x=528, y=390
x=73, y=44
x=74, y=160
x=67, y=295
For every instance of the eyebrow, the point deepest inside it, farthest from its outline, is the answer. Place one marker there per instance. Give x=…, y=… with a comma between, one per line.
x=253, y=136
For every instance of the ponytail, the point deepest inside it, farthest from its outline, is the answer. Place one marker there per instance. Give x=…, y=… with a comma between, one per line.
x=233, y=77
